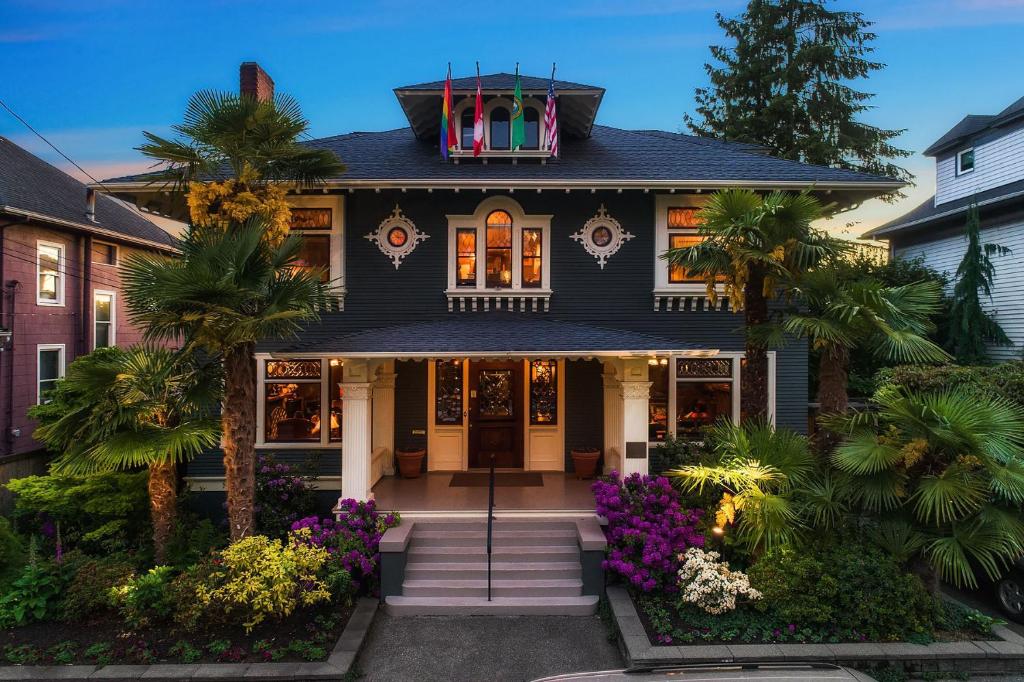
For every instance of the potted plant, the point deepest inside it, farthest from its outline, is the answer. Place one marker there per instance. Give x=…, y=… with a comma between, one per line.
x=410, y=462
x=584, y=461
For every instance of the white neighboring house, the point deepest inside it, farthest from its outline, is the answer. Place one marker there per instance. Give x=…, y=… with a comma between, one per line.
x=980, y=160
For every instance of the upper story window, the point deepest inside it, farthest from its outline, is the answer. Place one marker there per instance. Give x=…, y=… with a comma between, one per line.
x=678, y=226
x=466, y=126
x=103, y=312
x=104, y=254
x=499, y=249
x=49, y=369
x=965, y=161
x=531, y=126
x=497, y=124
x=50, y=268
x=319, y=221
x=501, y=134
x=683, y=231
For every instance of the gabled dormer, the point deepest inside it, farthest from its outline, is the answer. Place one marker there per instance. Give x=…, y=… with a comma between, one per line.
x=980, y=153
x=577, y=109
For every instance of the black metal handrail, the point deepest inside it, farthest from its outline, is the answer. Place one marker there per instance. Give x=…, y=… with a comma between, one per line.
x=490, y=524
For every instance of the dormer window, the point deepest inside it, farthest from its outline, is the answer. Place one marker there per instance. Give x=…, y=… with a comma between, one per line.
x=531, y=126
x=497, y=124
x=501, y=134
x=467, y=122
x=965, y=161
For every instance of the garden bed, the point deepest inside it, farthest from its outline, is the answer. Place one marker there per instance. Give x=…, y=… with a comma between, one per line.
x=307, y=635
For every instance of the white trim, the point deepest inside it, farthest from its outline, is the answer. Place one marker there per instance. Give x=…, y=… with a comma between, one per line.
x=325, y=443
x=478, y=222
x=212, y=484
x=60, y=365
x=662, y=287
x=112, y=335
x=61, y=272
x=959, y=159
x=337, y=234
x=412, y=236
x=486, y=355
x=489, y=106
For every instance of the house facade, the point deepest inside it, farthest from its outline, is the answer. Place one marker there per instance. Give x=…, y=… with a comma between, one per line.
x=61, y=247
x=981, y=161
x=513, y=304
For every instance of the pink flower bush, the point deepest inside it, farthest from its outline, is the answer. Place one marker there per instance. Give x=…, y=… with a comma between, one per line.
x=353, y=540
x=647, y=529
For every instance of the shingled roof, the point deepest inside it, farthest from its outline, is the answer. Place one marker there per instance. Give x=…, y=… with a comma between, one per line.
x=608, y=156
x=32, y=188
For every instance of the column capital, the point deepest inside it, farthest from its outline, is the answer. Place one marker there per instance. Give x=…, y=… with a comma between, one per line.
x=610, y=381
x=385, y=380
x=356, y=390
x=636, y=390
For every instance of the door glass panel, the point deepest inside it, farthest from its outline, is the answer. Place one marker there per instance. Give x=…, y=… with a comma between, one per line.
x=448, y=399
x=495, y=392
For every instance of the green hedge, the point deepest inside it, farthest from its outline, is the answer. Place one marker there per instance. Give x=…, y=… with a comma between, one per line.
x=1005, y=380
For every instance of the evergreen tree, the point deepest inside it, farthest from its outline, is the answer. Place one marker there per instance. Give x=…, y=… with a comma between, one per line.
x=784, y=85
x=970, y=327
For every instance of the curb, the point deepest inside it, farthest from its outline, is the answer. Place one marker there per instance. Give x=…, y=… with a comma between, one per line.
x=336, y=667
x=1003, y=655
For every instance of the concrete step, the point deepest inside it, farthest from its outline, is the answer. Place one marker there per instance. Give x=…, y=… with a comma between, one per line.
x=530, y=587
x=500, y=570
x=498, y=606
x=501, y=538
x=499, y=524
x=433, y=554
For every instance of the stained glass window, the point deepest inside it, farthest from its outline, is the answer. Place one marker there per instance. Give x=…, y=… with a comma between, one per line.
x=495, y=393
x=293, y=369
x=544, y=392
x=657, y=406
x=465, y=244
x=532, y=244
x=499, y=250
x=311, y=219
x=448, y=392
x=704, y=368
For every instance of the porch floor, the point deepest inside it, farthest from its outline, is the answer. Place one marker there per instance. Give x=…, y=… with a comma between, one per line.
x=431, y=492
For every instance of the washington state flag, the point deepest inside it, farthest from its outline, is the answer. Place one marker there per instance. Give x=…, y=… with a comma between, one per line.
x=518, y=130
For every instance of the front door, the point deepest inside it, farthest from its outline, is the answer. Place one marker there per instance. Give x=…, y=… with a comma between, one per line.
x=495, y=414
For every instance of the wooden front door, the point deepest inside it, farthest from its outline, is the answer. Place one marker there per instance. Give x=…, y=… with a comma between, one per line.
x=495, y=414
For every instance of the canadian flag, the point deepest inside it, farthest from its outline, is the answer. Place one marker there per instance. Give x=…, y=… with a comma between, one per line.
x=478, y=118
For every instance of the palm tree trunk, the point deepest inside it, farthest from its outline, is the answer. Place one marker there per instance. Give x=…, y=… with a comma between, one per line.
x=754, y=378
x=833, y=377
x=163, y=500
x=238, y=422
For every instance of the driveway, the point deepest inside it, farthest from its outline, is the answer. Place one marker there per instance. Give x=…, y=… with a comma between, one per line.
x=512, y=648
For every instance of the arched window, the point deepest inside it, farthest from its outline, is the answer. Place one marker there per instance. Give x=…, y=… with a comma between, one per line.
x=500, y=133
x=531, y=120
x=499, y=250
x=468, y=118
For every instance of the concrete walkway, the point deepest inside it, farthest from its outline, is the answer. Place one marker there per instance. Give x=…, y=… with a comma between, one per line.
x=471, y=648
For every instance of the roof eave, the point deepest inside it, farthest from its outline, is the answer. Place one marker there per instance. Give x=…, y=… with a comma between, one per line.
x=85, y=227
x=883, y=231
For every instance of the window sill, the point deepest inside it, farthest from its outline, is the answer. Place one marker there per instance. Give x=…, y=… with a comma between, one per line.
x=542, y=154
x=688, y=297
x=521, y=300
x=50, y=304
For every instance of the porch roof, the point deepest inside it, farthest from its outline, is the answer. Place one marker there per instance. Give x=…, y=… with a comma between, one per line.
x=490, y=334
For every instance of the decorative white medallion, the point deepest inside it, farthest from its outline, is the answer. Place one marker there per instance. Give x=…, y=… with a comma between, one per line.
x=602, y=236
x=396, y=236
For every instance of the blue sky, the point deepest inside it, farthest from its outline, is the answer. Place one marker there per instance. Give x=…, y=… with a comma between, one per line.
x=92, y=75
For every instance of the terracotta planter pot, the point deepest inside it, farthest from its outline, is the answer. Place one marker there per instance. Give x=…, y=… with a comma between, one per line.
x=410, y=462
x=584, y=461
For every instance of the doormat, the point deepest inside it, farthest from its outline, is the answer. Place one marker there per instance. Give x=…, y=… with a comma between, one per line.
x=480, y=479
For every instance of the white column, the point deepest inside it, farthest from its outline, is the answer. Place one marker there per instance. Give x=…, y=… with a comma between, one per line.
x=614, y=442
x=384, y=415
x=636, y=392
x=356, y=430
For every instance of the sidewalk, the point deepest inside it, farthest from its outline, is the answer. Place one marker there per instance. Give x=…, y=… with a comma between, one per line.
x=512, y=649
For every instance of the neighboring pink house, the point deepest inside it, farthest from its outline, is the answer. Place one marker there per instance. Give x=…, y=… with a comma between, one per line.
x=61, y=249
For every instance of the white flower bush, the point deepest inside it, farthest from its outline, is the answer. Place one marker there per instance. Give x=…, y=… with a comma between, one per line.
x=708, y=582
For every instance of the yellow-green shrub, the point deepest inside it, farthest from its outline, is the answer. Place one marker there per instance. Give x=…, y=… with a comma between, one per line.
x=267, y=578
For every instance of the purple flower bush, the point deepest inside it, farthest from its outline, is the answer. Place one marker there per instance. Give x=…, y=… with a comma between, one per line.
x=284, y=493
x=353, y=541
x=647, y=529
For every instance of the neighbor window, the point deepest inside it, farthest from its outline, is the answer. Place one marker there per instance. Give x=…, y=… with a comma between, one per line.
x=104, y=254
x=299, y=397
x=965, y=161
x=50, y=368
x=50, y=273
x=103, y=318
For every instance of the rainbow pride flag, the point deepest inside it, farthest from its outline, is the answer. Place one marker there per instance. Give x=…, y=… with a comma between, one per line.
x=448, y=137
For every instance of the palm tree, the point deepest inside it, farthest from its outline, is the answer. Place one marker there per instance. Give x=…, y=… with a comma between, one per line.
x=773, y=488
x=942, y=476
x=129, y=408
x=228, y=290
x=839, y=316
x=237, y=147
x=752, y=243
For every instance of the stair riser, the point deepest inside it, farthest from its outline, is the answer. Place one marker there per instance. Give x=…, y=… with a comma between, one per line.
x=413, y=573
x=444, y=591
x=503, y=541
x=494, y=609
x=435, y=555
x=481, y=526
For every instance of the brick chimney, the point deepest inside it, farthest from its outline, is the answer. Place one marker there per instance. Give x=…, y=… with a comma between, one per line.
x=252, y=80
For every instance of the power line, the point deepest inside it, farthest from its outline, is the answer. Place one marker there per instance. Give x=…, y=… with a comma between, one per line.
x=75, y=272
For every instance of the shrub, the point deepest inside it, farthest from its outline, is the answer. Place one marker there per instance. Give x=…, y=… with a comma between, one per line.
x=34, y=595
x=708, y=583
x=185, y=651
x=12, y=553
x=146, y=597
x=674, y=453
x=848, y=587
x=647, y=529
x=102, y=513
x=353, y=541
x=192, y=540
x=284, y=494
x=268, y=578
x=63, y=653
x=189, y=611
x=1005, y=380
x=89, y=592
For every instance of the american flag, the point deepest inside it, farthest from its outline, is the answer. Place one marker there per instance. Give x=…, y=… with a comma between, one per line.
x=550, y=118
